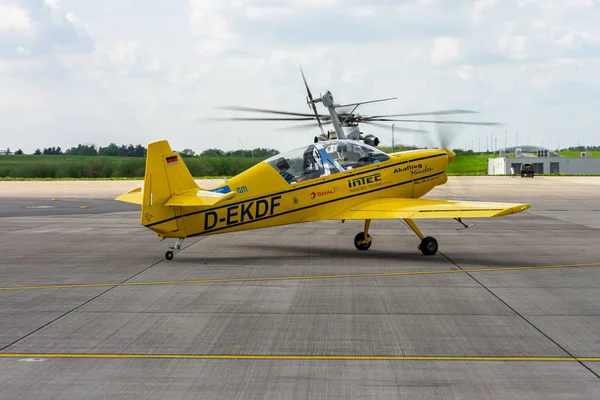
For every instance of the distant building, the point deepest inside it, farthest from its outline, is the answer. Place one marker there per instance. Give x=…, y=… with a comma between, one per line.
x=4, y=152
x=546, y=165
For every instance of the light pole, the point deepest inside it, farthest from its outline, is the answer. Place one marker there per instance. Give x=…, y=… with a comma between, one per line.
x=393, y=143
x=251, y=152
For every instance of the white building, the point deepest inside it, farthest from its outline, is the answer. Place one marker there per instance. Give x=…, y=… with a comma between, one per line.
x=546, y=165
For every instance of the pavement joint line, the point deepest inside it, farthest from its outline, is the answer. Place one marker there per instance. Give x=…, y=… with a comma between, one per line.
x=295, y=357
x=82, y=304
x=524, y=318
x=307, y=277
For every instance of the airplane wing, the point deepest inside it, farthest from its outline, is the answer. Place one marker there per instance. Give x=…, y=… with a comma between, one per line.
x=394, y=208
x=190, y=198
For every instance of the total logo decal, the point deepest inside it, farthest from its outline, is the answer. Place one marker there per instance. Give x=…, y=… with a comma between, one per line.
x=314, y=195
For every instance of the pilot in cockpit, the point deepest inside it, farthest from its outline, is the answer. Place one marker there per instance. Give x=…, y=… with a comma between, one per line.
x=283, y=165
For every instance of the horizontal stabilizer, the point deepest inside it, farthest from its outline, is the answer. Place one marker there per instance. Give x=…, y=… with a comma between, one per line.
x=135, y=196
x=198, y=198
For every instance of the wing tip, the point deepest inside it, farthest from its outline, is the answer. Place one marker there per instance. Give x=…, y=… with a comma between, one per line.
x=133, y=196
x=514, y=209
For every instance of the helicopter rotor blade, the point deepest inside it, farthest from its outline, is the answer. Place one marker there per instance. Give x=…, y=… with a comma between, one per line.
x=441, y=112
x=396, y=128
x=364, y=102
x=437, y=122
x=258, y=119
x=312, y=102
x=262, y=110
x=302, y=127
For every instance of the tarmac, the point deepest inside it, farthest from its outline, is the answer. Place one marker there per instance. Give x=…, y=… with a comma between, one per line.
x=507, y=309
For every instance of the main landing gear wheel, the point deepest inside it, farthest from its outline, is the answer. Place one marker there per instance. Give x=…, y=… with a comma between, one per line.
x=428, y=246
x=360, y=243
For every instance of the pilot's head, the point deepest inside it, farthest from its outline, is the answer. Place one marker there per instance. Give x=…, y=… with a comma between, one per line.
x=282, y=164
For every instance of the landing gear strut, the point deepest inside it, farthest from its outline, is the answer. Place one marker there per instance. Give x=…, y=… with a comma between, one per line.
x=428, y=245
x=362, y=241
x=176, y=248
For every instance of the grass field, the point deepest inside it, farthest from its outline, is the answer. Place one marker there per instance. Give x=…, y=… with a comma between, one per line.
x=578, y=153
x=98, y=167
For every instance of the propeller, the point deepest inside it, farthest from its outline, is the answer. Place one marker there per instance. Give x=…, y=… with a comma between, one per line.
x=442, y=136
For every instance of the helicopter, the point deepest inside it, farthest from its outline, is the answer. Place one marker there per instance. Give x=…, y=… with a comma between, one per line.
x=346, y=122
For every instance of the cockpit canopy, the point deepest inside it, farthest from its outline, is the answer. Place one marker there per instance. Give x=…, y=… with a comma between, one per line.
x=325, y=158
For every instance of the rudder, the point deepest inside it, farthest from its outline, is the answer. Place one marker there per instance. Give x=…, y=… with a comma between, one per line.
x=165, y=176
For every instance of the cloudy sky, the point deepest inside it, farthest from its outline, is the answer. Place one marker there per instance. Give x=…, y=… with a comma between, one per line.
x=127, y=71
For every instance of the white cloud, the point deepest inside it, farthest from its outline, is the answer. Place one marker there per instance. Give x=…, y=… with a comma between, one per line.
x=14, y=18
x=23, y=50
x=445, y=49
x=465, y=71
x=480, y=8
x=134, y=77
x=209, y=24
x=513, y=46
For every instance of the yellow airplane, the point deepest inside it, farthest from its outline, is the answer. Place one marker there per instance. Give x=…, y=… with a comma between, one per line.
x=328, y=180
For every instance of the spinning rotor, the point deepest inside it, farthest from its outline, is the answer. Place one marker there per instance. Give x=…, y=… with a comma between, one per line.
x=345, y=121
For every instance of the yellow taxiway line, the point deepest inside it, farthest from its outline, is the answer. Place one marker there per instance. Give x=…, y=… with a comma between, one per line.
x=289, y=278
x=290, y=357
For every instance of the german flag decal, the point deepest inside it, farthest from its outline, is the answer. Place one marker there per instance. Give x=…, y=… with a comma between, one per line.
x=171, y=160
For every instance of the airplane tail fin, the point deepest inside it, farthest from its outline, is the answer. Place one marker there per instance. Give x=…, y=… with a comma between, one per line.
x=166, y=175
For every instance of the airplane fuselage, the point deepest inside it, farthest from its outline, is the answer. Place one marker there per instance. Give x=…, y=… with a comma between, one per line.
x=264, y=199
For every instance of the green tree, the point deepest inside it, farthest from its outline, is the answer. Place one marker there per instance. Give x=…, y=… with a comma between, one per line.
x=212, y=153
x=187, y=153
x=111, y=150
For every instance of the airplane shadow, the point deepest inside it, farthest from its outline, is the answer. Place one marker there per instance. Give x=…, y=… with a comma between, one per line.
x=309, y=254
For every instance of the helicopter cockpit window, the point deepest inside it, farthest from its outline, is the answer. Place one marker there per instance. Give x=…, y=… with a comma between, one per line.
x=323, y=159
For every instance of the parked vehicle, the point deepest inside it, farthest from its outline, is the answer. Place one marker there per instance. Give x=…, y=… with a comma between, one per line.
x=527, y=170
